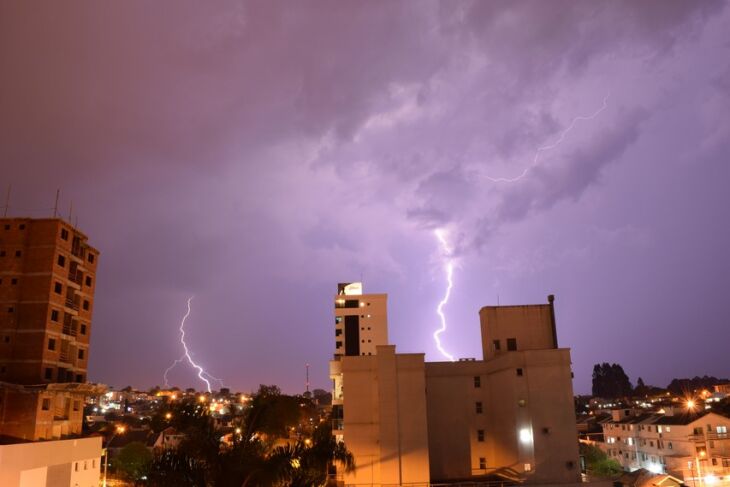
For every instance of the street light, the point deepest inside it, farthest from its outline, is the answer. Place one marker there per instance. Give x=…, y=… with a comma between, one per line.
x=119, y=430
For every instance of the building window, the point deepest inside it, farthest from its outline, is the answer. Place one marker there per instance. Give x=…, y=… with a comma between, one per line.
x=512, y=344
x=83, y=329
x=338, y=344
x=86, y=305
x=49, y=373
x=669, y=445
x=79, y=378
x=64, y=234
x=519, y=372
x=81, y=354
x=46, y=404
x=21, y=226
x=721, y=430
x=11, y=309
x=88, y=281
x=7, y=227
x=480, y=435
x=54, y=315
x=58, y=288
x=2, y=253
x=14, y=281
x=51, y=344
x=76, y=466
x=6, y=338
x=91, y=257
x=477, y=381
x=482, y=463
x=337, y=332
x=479, y=408
x=496, y=345
x=528, y=467
x=61, y=260
x=18, y=253
x=76, y=405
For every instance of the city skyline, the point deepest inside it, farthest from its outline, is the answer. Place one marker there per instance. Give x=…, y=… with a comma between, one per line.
x=256, y=155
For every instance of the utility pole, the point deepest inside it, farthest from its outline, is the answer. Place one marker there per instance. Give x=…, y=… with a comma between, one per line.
x=306, y=366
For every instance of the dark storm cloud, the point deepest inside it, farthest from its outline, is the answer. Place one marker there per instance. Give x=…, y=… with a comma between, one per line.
x=256, y=153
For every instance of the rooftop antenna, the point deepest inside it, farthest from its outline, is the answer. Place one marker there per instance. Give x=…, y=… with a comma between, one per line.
x=55, y=206
x=70, y=210
x=7, y=200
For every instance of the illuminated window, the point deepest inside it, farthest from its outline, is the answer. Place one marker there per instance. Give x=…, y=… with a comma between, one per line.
x=528, y=467
x=722, y=430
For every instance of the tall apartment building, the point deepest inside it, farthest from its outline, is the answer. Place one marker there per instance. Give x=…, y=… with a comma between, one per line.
x=47, y=279
x=509, y=415
x=692, y=446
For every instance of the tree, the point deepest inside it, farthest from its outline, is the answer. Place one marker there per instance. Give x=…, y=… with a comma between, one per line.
x=306, y=465
x=610, y=381
x=598, y=465
x=133, y=462
x=246, y=458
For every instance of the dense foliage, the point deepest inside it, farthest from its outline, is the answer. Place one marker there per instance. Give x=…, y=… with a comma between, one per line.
x=598, y=465
x=248, y=456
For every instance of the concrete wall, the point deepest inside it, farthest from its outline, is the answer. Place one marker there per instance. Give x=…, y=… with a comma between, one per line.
x=528, y=419
x=72, y=463
x=385, y=423
x=531, y=325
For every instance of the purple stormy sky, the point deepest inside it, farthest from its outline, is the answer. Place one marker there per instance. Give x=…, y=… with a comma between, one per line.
x=255, y=154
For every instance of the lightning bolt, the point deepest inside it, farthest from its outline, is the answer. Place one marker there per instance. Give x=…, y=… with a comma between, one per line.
x=552, y=145
x=202, y=374
x=449, y=263
x=449, y=268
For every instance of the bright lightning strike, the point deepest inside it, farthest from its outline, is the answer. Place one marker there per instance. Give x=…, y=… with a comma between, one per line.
x=449, y=263
x=553, y=145
x=449, y=267
x=202, y=374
